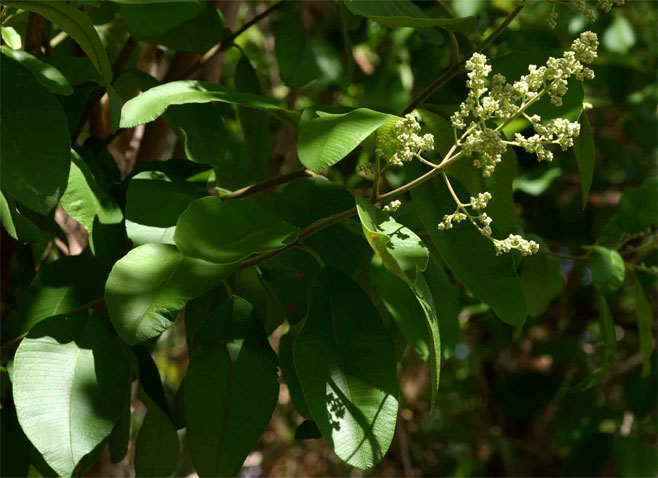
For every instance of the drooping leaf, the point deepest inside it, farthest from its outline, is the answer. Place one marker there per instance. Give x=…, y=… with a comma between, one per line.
x=470, y=256
x=307, y=430
x=447, y=305
x=644, y=319
x=255, y=124
x=541, y=279
x=151, y=104
x=345, y=361
x=35, y=146
x=157, y=447
x=231, y=389
x=86, y=202
x=608, y=269
x=404, y=13
x=609, y=337
x=583, y=149
x=75, y=367
x=287, y=365
x=149, y=286
x=294, y=56
x=400, y=249
x=227, y=232
x=154, y=202
x=63, y=286
x=120, y=436
x=77, y=25
x=49, y=76
x=326, y=139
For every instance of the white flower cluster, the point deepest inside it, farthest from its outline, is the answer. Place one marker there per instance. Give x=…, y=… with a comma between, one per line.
x=513, y=241
x=403, y=142
x=392, y=206
x=558, y=131
x=506, y=101
x=448, y=219
x=480, y=202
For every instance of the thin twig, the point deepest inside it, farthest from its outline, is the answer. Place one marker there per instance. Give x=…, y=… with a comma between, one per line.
x=269, y=183
x=455, y=68
x=228, y=41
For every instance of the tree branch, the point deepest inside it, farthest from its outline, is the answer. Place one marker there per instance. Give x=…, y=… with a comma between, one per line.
x=269, y=183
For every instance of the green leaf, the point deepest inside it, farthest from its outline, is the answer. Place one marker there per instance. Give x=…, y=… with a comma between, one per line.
x=287, y=365
x=49, y=76
x=608, y=269
x=149, y=286
x=255, y=124
x=196, y=35
x=154, y=202
x=325, y=140
x=157, y=447
x=151, y=104
x=77, y=25
x=152, y=19
x=15, y=223
x=294, y=56
x=446, y=304
x=307, y=430
x=541, y=279
x=644, y=317
x=231, y=389
x=291, y=276
x=202, y=129
x=11, y=38
x=84, y=200
x=35, y=146
x=470, y=256
x=583, y=149
x=227, y=232
x=63, y=286
x=404, y=13
x=609, y=337
x=400, y=249
x=638, y=208
x=345, y=361
x=74, y=366
x=120, y=436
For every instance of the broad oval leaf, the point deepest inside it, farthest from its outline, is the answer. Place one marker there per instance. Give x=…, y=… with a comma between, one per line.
x=541, y=279
x=149, y=286
x=49, y=76
x=151, y=104
x=638, y=208
x=326, y=139
x=404, y=13
x=35, y=145
x=399, y=248
x=157, y=447
x=231, y=389
x=70, y=381
x=146, y=20
x=345, y=360
x=225, y=232
x=154, y=202
x=471, y=257
x=294, y=56
x=608, y=269
x=77, y=25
